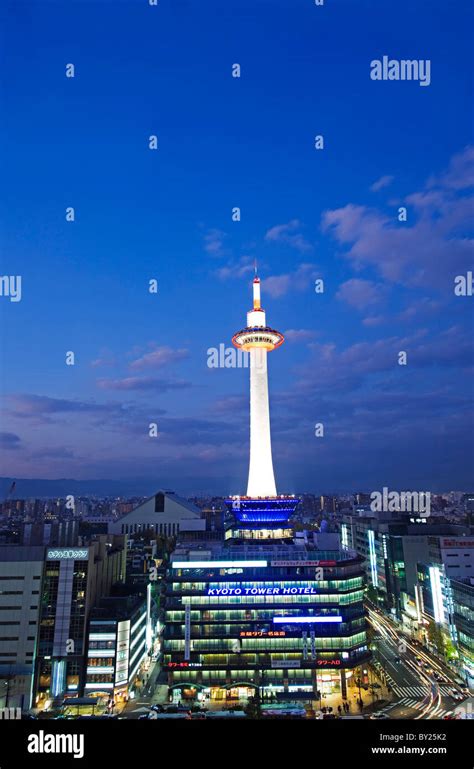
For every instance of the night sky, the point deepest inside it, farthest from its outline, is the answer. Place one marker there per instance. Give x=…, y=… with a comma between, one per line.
x=306, y=214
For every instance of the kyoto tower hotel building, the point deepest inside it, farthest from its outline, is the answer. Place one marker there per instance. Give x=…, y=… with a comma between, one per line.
x=264, y=609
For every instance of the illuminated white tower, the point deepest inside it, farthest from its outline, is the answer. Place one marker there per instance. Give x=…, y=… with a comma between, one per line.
x=258, y=339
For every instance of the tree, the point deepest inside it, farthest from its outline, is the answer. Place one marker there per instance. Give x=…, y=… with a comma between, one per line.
x=435, y=636
x=372, y=594
x=450, y=649
x=253, y=708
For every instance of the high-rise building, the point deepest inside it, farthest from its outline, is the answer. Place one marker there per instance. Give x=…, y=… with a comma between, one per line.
x=263, y=610
x=463, y=616
x=118, y=640
x=21, y=572
x=392, y=547
x=74, y=580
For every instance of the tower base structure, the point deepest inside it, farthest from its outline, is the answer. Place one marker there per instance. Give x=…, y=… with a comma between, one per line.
x=261, y=517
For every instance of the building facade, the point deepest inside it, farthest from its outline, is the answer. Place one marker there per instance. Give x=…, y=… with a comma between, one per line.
x=163, y=513
x=21, y=573
x=463, y=614
x=118, y=640
x=393, y=547
x=74, y=579
x=278, y=618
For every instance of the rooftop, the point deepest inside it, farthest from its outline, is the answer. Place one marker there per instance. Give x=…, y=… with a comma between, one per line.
x=215, y=551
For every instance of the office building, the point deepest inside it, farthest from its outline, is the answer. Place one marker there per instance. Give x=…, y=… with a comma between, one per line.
x=119, y=638
x=21, y=572
x=74, y=580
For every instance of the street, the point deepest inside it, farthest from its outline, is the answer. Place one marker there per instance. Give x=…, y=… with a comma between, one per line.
x=418, y=694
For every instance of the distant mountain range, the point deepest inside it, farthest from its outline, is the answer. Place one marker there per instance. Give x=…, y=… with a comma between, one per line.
x=40, y=487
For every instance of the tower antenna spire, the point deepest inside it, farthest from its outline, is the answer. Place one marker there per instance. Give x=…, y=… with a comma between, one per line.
x=255, y=264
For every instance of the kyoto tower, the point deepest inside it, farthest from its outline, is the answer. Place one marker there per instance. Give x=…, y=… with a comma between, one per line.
x=258, y=339
x=261, y=502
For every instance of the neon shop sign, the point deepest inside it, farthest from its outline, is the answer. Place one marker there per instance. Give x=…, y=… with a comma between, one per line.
x=66, y=554
x=262, y=591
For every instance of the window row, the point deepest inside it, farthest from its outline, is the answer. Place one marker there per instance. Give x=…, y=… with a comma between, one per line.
x=265, y=643
x=341, y=599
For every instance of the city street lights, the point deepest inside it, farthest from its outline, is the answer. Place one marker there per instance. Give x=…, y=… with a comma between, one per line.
x=318, y=692
x=7, y=680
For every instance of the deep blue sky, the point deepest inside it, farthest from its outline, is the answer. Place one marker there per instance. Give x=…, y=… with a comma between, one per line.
x=306, y=214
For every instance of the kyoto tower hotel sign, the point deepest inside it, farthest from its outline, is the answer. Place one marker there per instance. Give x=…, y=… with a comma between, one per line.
x=261, y=503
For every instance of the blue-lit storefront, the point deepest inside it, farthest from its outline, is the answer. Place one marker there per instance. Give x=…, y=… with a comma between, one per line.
x=273, y=616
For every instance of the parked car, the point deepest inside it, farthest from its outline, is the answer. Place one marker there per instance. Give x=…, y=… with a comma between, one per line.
x=380, y=716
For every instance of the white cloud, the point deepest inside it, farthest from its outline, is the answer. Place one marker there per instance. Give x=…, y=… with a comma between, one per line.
x=288, y=234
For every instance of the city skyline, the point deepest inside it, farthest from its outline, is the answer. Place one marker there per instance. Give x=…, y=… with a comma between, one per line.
x=192, y=529
x=306, y=214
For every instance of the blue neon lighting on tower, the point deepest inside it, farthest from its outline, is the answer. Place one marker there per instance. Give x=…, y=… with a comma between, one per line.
x=262, y=510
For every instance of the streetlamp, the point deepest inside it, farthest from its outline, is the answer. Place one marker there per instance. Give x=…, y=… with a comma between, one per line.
x=318, y=690
x=8, y=678
x=261, y=683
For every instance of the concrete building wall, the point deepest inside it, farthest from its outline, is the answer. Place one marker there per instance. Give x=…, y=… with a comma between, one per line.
x=21, y=570
x=163, y=512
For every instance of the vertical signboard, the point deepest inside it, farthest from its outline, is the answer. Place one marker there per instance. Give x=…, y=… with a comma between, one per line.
x=187, y=633
x=122, y=652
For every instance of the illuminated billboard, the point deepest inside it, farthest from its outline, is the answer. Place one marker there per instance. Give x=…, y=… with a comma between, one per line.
x=262, y=591
x=67, y=553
